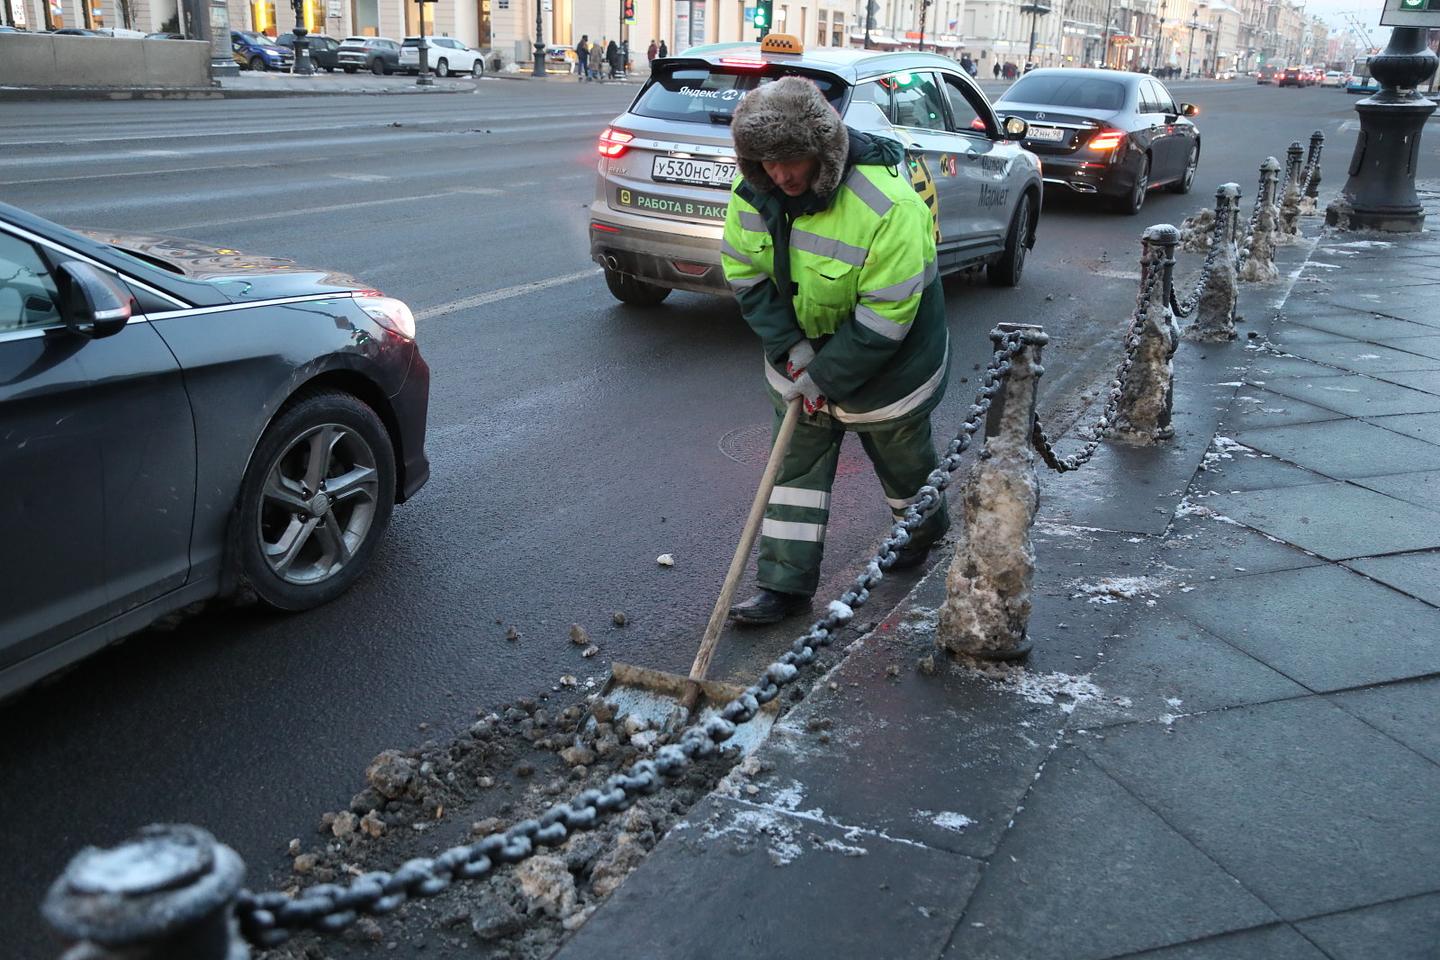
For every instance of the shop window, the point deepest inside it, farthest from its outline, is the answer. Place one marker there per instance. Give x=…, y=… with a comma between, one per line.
x=837, y=29
x=262, y=17
x=483, y=13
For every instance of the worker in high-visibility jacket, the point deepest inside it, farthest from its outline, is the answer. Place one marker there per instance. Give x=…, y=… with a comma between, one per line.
x=831, y=254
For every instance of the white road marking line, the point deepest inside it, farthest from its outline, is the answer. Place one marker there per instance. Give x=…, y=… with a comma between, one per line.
x=1117, y=274
x=362, y=177
x=505, y=293
x=306, y=211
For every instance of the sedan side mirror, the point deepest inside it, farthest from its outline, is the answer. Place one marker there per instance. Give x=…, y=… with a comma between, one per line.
x=1189, y=110
x=1015, y=128
x=93, y=303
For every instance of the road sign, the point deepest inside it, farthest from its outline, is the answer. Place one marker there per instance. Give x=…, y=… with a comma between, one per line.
x=1411, y=13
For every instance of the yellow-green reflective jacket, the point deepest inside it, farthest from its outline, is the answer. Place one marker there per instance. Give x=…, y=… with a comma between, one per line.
x=855, y=273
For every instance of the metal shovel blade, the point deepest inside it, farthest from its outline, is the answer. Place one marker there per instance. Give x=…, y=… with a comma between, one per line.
x=657, y=696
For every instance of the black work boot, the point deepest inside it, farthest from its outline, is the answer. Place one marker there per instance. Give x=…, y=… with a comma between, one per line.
x=768, y=606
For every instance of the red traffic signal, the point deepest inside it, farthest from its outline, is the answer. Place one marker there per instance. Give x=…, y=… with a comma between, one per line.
x=629, y=11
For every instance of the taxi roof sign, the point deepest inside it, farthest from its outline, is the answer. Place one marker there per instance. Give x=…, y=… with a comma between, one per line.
x=1411, y=13
x=781, y=43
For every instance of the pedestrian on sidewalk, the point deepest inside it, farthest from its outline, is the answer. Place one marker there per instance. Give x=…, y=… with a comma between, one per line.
x=582, y=57
x=996, y=69
x=664, y=50
x=652, y=52
x=831, y=254
x=612, y=56
x=597, y=60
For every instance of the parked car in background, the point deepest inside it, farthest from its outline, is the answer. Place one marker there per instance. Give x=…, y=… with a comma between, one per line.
x=164, y=36
x=667, y=163
x=1106, y=132
x=446, y=56
x=182, y=421
x=255, y=51
x=4, y=28
x=324, y=51
x=375, y=54
x=75, y=32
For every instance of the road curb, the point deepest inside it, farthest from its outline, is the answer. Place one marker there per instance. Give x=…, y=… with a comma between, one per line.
x=40, y=94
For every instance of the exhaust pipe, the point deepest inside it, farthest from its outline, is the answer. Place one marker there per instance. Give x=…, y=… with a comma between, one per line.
x=611, y=261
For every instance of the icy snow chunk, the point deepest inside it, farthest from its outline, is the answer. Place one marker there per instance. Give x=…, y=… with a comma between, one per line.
x=946, y=819
x=665, y=560
x=1115, y=589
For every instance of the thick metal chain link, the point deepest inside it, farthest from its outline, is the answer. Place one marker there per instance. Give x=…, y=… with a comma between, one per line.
x=270, y=918
x=1248, y=240
x=1222, y=223
x=1038, y=438
x=1311, y=166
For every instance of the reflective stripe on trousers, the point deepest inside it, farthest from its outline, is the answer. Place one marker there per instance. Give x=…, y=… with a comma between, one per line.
x=792, y=538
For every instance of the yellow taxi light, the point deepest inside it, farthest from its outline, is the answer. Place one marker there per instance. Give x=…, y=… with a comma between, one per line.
x=781, y=43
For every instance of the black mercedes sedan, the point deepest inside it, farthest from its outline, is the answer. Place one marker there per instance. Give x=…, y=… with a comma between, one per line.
x=179, y=422
x=1106, y=132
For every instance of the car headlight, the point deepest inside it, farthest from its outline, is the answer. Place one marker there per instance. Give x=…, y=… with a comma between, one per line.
x=390, y=313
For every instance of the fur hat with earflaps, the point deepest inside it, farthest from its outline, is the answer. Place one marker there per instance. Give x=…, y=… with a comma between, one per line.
x=785, y=120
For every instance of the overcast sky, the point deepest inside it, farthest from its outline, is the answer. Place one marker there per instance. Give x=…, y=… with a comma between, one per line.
x=1333, y=10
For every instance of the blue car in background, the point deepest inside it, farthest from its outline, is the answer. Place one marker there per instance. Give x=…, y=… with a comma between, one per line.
x=255, y=51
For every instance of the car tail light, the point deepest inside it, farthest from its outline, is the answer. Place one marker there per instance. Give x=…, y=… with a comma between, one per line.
x=977, y=124
x=743, y=62
x=603, y=227
x=390, y=313
x=1106, y=140
x=614, y=143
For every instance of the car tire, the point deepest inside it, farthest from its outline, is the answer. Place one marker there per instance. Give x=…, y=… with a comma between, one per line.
x=634, y=291
x=1187, y=179
x=257, y=64
x=273, y=507
x=349, y=69
x=477, y=69
x=1133, y=201
x=442, y=69
x=377, y=67
x=1007, y=271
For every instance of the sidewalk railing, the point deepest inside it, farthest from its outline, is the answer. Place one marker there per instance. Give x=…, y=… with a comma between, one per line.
x=173, y=890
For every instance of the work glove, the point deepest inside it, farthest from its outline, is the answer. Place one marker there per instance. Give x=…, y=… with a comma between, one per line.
x=800, y=356
x=809, y=390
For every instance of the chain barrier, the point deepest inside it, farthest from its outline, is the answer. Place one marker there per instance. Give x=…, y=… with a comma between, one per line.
x=1248, y=240
x=1038, y=438
x=1207, y=269
x=270, y=918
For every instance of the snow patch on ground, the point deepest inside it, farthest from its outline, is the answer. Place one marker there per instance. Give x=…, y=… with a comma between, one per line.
x=946, y=819
x=762, y=826
x=1115, y=589
x=1361, y=244
x=921, y=620
x=1189, y=508
x=1051, y=529
x=1061, y=689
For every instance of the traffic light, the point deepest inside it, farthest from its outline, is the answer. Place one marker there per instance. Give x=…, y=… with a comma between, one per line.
x=629, y=11
x=763, y=20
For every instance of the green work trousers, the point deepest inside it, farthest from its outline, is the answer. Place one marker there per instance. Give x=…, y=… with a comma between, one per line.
x=792, y=539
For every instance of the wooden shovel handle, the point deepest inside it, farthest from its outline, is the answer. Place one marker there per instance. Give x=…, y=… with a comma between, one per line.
x=701, y=666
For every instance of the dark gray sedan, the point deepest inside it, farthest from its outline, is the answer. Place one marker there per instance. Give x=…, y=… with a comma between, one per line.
x=179, y=421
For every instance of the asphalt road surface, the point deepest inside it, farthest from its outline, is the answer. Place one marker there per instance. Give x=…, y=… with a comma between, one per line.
x=572, y=439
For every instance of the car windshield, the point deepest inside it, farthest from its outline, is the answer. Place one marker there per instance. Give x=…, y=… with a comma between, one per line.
x=709, y=93
x=1087, y=93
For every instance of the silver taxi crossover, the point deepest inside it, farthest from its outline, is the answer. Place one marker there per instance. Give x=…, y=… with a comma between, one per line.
x=667, y=163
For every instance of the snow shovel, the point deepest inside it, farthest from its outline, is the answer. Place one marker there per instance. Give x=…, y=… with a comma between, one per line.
x=660, y=697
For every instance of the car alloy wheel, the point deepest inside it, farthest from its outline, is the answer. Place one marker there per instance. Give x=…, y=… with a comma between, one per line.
x=1007, y=271
x=477, y=68
x=1188, y=180
x=1133, y=202
x=443, y=67
x=377, y=67
x=257, y=63
x=316, y=498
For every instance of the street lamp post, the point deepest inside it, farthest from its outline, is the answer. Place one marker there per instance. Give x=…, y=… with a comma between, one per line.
x=1036, y=9
x=1105, y=40
x=1159, y=40
x=302, y=64
x=423, y=78
x=924, y=15
x=1194, y=25
x=539, y=70
x=1380, y=193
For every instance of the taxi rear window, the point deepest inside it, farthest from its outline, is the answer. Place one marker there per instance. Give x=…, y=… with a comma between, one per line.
x=709, y=93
